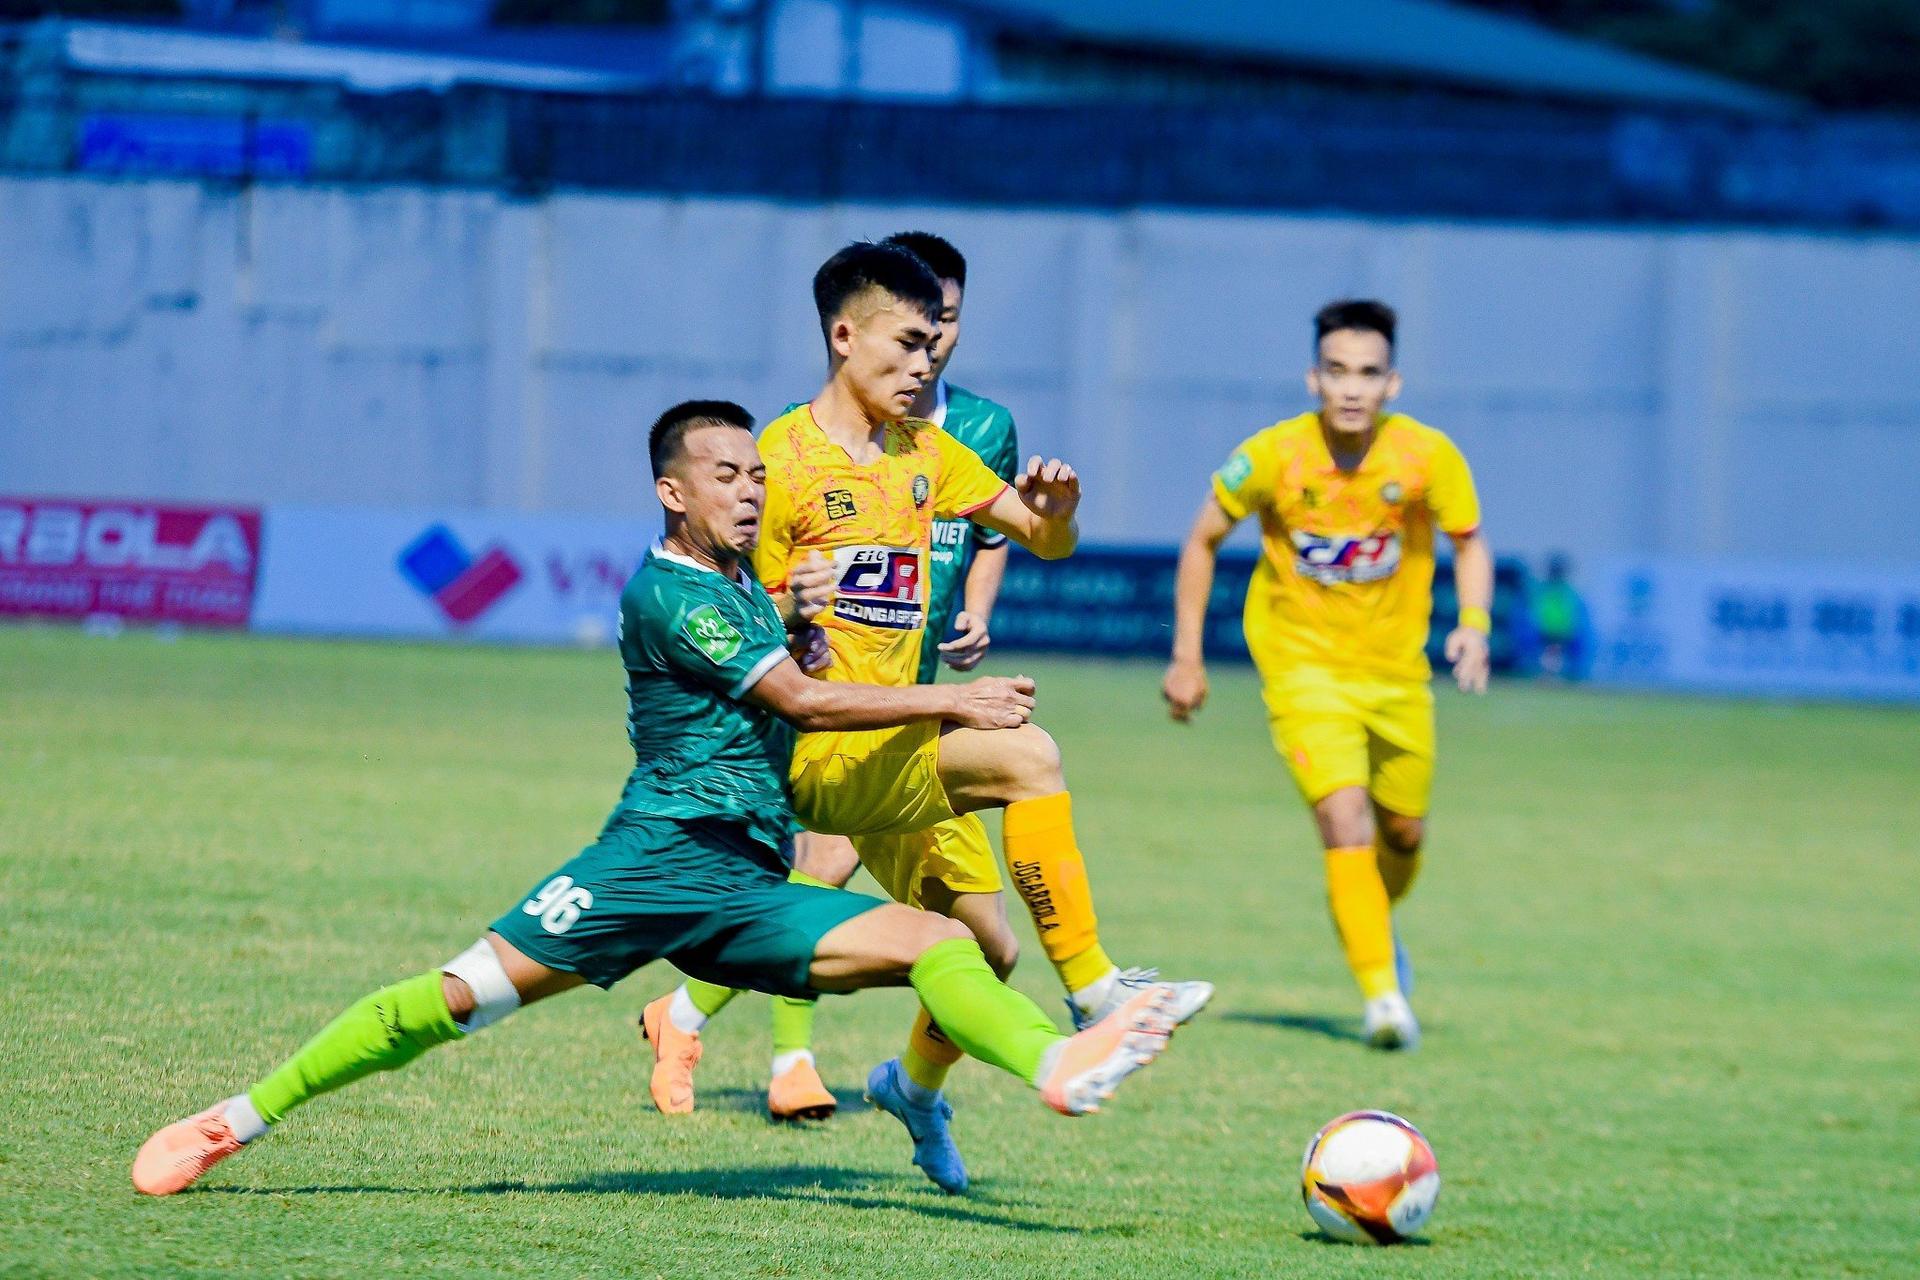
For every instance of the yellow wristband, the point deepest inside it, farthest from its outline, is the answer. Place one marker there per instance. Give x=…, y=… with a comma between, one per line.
x=1477, y=619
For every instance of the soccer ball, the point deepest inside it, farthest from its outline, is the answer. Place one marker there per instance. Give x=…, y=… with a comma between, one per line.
x=1369, y=1177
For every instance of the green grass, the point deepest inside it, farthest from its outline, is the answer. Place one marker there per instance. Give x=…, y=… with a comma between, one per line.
x=1665, y=946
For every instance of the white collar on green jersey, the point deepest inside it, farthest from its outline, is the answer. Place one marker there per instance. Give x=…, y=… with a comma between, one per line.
x=659, y=548
x=939, y=415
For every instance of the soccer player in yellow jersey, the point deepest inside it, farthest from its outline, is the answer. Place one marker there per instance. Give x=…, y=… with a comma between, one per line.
x=1350, y=499
x=854, y=485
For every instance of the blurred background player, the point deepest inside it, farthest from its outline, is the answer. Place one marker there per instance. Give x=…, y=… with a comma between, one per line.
x=689, y=866
x=854, y=481
x=967, y=563
x=1349, y=498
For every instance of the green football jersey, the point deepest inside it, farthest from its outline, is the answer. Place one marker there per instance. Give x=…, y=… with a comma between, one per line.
x=985, y=427
x=693, y=643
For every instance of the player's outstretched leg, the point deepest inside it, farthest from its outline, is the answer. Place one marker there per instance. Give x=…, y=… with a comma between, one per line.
x=1021, y=770
x=984, y=1017
x=381, y=1032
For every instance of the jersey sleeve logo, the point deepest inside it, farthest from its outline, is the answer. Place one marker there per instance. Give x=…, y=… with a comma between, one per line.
x=712, y=634
x=1330, y=560
x=840, y=504
x=880, y=587
x=1235, y=473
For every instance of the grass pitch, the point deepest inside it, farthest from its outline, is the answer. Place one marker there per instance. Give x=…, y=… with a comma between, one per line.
x=1665, y=950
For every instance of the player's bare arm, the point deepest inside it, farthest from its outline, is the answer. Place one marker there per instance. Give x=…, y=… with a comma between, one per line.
x=966, y=650
x=1038, y=511
x=1466, y=646
x=817, y=706
x=1185, y=684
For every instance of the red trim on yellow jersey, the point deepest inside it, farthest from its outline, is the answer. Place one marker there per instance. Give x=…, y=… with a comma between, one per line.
x=982, y=506
x=1464, y=533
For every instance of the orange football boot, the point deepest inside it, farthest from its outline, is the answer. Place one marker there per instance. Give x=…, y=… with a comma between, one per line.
x=675, y=1054
x=798, y=1094
x=174, y=1158
x=1090, y=1066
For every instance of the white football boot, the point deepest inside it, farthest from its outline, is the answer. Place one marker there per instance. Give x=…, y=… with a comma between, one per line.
x=1391, y=1024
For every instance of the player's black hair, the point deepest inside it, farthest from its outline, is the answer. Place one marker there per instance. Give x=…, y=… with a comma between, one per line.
x=937, y=252
x=670, y=428
x=1363, y=314
x=864, y=265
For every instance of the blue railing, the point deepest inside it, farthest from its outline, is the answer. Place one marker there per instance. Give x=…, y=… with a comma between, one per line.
x=1388, y=157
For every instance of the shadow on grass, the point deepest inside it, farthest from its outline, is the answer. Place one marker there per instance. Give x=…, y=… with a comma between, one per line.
x=1319, y=1024
x=812, y=1184
x=755, y=1101
x=1321, y=1237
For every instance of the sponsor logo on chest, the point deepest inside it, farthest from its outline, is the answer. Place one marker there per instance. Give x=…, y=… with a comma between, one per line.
x=1334, y=559
x=880, y=587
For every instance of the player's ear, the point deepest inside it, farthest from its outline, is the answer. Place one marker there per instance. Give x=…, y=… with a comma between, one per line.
x=1393, y=384
x=671, y=498
x=1313, y=381
x=840, y=337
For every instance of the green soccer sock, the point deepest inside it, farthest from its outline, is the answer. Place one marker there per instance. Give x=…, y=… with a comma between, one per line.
x=793, y=1018
x=708, y=997
x=792, y=1024
x=984, y=1016
x=387, y=1029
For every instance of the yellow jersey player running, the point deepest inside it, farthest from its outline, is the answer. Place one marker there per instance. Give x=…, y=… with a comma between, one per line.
x=854, y=485
x=1349, y=498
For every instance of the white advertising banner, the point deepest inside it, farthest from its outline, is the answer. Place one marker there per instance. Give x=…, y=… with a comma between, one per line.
x=1770, y=628
x=535, y=579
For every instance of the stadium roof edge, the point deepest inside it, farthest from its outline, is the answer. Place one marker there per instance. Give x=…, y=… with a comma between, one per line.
x=1418, y=38
x=368, y=67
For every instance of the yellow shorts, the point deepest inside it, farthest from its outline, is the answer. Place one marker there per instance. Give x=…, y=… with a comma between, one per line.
x=1336, y=731
x=957, y=853
x=871, y=782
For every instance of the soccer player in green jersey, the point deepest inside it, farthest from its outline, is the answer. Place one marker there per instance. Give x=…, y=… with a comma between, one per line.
x=689, y=867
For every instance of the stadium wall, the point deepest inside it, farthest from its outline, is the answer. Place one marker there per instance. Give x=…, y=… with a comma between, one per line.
x=1620, y=392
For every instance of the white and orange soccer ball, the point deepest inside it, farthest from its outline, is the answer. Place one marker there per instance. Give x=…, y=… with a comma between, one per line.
x=1369, y=1178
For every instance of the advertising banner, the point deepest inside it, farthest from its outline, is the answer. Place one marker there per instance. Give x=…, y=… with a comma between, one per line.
x=532, y=579
x=142, y=562
x=1119, y=602
x=1770, y=628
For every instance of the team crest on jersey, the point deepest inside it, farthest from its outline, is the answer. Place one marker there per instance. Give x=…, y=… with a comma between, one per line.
x=840, y=504
x=1391, y=492
x=880, y=587
x=1330, y=560
x=921, y=489
x=712, y=634
x=1235, y=473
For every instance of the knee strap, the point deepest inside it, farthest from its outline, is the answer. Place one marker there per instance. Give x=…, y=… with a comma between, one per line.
x=494, y=996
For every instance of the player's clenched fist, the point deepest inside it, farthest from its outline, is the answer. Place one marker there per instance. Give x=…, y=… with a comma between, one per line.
x=994, y=702
x=1185, y=688
x=1051, y=490
x=811, y=584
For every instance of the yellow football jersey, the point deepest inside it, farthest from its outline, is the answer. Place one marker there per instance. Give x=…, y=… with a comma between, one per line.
x=875, y=522
x=1345, y=578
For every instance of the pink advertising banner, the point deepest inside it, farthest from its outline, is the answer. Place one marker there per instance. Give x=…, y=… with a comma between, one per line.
x=137, y=561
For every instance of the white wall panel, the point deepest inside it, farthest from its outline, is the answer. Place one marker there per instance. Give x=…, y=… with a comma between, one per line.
x=1627, y=392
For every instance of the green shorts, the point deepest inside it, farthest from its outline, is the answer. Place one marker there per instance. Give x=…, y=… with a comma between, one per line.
x=701, y=893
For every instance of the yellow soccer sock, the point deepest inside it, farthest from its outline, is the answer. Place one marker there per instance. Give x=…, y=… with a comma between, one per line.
x=929, y=1055
x=1361, y=913
x=1397, y=870
x=1051, y=878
